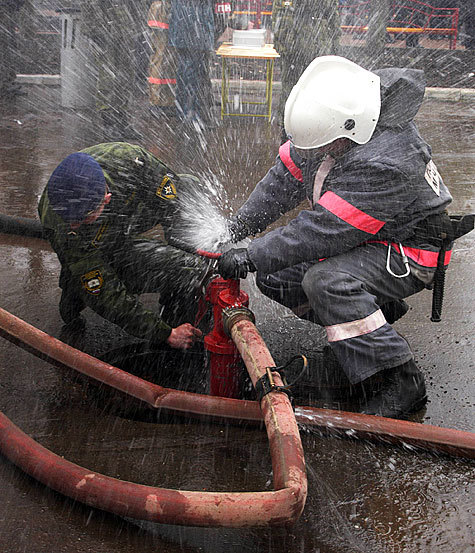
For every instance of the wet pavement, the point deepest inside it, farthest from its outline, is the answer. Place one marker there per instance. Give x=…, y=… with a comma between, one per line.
x=362, y=497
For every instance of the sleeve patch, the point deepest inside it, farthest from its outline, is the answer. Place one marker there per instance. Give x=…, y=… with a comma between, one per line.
x=166, y=189
x=432, y=177
x=92, y=282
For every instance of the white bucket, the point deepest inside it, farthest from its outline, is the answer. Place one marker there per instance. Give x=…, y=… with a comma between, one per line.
x=253, y=38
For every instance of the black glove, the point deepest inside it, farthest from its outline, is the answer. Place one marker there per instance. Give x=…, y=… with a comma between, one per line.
x=238, y=229
x=235, y=264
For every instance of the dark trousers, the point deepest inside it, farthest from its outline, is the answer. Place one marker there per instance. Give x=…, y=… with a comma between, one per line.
x=193, y=84
x=345, y=288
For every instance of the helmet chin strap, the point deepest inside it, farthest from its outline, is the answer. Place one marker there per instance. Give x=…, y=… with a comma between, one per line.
x=336, y=149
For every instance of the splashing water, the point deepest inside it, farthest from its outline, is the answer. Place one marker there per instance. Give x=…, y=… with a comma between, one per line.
x=202, y=223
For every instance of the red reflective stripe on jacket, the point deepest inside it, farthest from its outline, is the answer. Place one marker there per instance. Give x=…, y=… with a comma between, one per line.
x=284, y=152
x=159, y=24
x=425, y=258
x=350, y=214
x=153, y=80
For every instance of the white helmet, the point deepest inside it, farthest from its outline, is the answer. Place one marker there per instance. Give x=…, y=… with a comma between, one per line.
x=333, y=98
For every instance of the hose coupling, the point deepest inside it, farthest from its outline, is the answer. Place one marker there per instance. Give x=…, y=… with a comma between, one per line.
x=232, y=315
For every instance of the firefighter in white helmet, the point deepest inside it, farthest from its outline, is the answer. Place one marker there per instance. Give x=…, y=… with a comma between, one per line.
x=334, y=98
x=370, y=234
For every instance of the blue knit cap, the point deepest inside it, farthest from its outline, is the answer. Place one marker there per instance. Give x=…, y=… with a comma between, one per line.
x=76, y=187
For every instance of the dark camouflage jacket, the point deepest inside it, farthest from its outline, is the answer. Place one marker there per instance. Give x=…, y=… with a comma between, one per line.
x=380, y=191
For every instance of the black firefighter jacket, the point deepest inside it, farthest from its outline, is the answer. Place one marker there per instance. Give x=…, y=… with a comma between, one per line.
x=383, y=190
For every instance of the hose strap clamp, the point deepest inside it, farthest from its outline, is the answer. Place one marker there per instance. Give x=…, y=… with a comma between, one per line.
x=265, y=385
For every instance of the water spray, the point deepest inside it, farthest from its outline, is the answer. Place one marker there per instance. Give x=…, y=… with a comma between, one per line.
x=188, y=248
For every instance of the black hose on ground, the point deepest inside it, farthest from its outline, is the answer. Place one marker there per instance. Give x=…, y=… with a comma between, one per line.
x=21, y=226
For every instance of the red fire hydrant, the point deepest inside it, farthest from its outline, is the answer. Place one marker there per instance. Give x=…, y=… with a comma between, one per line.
x=225, y=364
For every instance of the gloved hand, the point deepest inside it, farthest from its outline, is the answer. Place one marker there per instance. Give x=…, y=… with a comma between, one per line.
x=235, y=264
x=237, y=229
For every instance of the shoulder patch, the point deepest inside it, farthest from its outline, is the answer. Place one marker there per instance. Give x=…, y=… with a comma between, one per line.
x=432, y=177
x=166, y=190
x=92, y=282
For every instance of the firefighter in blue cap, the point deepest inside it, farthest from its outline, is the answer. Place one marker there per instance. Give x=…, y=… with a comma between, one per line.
x=94, y=210
x=372, y=233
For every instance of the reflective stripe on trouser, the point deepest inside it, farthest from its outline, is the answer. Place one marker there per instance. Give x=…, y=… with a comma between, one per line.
x=352, y=329
x=344, y=293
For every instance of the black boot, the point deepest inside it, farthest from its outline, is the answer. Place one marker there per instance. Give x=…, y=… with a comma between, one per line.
x=402, y=392
x=394, y=310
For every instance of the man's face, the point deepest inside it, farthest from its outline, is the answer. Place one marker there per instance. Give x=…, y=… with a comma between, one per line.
x=98, y=211
x=94, y=215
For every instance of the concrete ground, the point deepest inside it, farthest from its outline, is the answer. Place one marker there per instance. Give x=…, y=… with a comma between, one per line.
x=362, y=497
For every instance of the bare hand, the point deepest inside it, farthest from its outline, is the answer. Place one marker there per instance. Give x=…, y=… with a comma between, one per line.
x=184, y=336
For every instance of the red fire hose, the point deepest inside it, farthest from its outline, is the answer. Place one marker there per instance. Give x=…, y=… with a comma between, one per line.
x=186, y=247
x=432, y=438
x=354, y=425
x=234, y=509
x=280, y=507
x=282, y=431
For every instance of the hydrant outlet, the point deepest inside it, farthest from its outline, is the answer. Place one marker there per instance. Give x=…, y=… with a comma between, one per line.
x=232, y=315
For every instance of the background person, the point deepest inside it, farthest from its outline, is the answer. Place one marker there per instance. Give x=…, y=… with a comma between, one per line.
x=115, y=30
x=162, y=69
x=370, y=236
x=191, y=33
x=94, y=209
x=303, y=30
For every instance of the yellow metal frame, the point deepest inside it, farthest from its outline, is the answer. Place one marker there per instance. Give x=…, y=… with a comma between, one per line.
x=266, y=53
